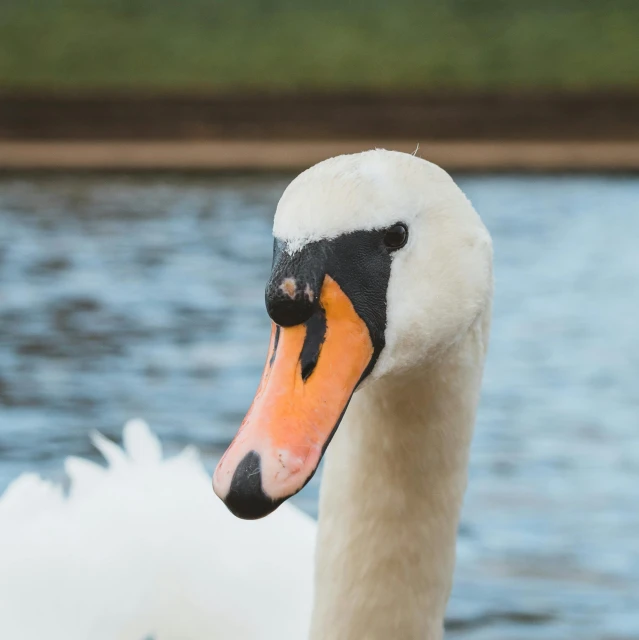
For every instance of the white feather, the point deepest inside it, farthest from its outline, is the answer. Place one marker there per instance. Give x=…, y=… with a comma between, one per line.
x=144, y=549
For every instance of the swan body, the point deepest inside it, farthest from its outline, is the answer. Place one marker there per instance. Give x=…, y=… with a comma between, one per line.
x=380, y=296
x=141, y=549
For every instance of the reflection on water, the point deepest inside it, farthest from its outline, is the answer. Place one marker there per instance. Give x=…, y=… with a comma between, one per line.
x=144, y=297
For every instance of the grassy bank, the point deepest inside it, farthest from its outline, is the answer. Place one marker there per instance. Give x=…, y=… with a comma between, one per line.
x=297, y=44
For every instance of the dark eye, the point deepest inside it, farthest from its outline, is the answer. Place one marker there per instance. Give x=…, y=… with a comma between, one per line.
x=395, y=237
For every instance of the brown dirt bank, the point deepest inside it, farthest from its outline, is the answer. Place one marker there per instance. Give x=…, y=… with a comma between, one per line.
x=412, y=117
x=269, y=155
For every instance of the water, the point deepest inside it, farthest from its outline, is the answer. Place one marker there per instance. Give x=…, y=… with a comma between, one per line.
x=144, y=297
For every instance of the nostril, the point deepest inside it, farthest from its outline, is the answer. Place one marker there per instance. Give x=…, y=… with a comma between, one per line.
x=246, y=498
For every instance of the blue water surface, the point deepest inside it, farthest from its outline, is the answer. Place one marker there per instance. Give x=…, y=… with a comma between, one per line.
x=144, y=297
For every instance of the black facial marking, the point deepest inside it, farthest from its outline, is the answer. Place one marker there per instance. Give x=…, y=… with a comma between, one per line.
x=292, y=294
x=315, y=334
x=359, y=262
x=276, y=341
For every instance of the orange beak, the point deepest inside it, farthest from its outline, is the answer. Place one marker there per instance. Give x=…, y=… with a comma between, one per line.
x=311, y=372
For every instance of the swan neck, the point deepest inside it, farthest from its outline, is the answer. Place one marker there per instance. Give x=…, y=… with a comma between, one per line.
x=392, y=490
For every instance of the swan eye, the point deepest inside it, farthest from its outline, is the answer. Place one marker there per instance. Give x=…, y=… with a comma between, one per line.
x=395, y=237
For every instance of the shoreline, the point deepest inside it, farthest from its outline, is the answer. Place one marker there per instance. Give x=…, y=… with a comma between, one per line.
x=472, y=131
x=289, y=155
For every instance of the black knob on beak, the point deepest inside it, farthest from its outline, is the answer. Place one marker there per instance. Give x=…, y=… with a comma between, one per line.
x=293, y=291
x=290, y=302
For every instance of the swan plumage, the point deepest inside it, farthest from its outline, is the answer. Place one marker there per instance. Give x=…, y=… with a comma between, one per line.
x=141, y=548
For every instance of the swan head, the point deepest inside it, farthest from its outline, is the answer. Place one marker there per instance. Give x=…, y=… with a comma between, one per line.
x=380, y=263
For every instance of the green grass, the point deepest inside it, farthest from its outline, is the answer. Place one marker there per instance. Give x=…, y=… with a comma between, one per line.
x=318, y=44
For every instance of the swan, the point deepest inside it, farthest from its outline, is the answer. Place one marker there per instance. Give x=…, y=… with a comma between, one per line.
x=380, y=296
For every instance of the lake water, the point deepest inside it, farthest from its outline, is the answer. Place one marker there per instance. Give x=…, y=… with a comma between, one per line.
x=144, y=297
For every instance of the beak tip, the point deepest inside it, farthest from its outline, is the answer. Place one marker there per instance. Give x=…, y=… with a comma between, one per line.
x=246, y=498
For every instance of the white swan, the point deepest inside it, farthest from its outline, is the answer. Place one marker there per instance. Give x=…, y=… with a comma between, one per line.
x=382, y=280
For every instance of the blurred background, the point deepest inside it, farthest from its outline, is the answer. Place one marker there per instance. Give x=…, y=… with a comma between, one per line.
x=143, y=148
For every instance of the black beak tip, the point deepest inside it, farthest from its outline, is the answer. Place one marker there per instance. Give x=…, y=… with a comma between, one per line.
x=246, y=498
